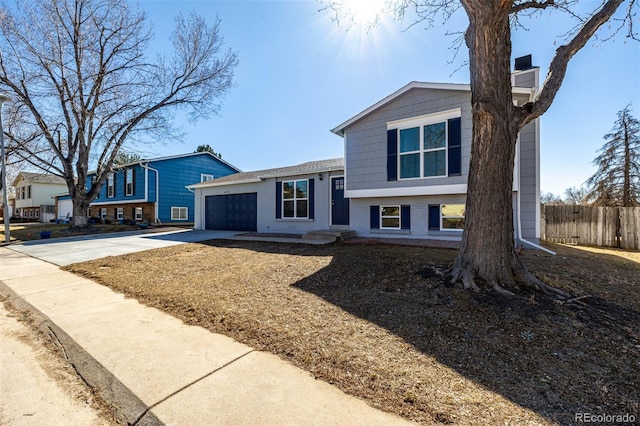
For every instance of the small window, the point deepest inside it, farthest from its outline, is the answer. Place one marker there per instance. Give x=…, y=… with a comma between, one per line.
x=23, y=193
x=128, y=177
x=295, y=199
x=111, y=185
x=30, y=213
x=120, y=213
x=103, y=213
x=179, y=213
x=37, y=213
x=452, y=217
x=138, y=213
x=28, y=191
x=390, y=217
x=205, y=178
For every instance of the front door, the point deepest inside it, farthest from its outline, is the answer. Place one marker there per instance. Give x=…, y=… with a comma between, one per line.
x=339, y=204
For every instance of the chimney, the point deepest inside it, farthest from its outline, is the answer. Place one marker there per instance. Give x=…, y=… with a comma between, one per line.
x=523, y=63
x=525, y=74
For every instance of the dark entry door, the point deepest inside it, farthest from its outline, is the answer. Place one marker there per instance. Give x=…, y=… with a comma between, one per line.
x=339, y=204
x=233, y=212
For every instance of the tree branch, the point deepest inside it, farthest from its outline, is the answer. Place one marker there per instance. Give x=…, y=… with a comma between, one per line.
x=558, y=66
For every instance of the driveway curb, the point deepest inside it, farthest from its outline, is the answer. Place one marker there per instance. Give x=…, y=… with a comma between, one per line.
x=128, y=408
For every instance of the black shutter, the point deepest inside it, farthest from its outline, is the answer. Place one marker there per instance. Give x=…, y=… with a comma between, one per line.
x=434, y=217
x=311, y=196
x=133, y=181
x=454, y=144
x=405, y=217
x=278, y=200
x=392, y=154
x=375, y=217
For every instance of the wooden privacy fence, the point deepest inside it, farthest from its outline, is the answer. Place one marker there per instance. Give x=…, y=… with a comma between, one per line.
x=593, y=226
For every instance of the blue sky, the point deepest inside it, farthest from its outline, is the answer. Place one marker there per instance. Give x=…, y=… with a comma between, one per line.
x=300, y=75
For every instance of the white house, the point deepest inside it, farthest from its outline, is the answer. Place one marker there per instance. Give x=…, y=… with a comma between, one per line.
x=34, y=192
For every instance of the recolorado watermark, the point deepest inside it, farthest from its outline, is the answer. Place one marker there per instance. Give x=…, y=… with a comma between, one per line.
x=604, y=418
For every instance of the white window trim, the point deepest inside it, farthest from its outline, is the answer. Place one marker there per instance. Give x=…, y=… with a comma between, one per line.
x=295, y=200
x=179, y=211
x=391, y=217
x=138, y=217
x=422, y=151
x=120, y=213
x=453, y=217
x=103, y=213
x=205, y=177
x=111, y=185
x=128, y=185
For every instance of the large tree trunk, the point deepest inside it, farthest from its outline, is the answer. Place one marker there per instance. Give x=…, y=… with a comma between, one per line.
x=487, y=255
x=80, y=207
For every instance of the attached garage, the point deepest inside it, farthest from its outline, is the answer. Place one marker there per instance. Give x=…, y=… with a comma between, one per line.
x=65, y=208
x=232, y=212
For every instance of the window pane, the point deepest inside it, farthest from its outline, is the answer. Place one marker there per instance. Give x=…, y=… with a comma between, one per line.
x=453, y=210
x=435, y=136
x=288, y=210
x=287, y=190
x=301, y=208
x=435, y=163
x=391, y=211
x=409, y=166
x=410, y=139
x=390, y=222
x=301, y=188
x=453, y=223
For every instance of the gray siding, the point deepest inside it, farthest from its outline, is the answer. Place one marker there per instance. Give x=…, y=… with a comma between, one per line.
x=366, y=140
x=525, y=78
x=360, y=217
x=266, y=195
x=529, y=183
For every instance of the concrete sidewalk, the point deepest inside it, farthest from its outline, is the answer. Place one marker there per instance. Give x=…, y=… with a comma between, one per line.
x=154, y=369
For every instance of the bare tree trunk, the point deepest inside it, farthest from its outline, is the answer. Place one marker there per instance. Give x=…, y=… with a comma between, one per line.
x=80, y=207
x=626, y=191
x=488, y=252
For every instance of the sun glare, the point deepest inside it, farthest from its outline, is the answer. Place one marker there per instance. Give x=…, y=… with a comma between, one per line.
x=364, y=12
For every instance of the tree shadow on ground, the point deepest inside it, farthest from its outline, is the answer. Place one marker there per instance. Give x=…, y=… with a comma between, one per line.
x=555, y=359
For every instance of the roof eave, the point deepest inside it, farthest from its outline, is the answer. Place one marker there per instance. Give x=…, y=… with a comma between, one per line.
x=339, y=130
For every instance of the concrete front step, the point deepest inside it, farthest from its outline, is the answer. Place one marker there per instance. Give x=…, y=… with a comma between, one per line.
x=329, y=233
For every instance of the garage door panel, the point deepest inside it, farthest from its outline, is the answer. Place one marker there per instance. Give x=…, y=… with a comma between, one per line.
x=233, y=212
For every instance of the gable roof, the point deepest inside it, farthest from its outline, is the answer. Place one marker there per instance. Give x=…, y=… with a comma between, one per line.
x=171, y=157
x=259, y=175
x=339, y=130
x=39, y=178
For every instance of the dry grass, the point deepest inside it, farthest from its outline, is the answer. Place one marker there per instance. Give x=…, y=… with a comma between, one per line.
x=378, y=322
x=31, y=231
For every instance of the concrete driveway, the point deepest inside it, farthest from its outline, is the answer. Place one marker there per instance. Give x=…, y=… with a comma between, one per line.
x=64, y=251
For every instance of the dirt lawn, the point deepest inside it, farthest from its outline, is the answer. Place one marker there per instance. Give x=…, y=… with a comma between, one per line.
x=379, y=322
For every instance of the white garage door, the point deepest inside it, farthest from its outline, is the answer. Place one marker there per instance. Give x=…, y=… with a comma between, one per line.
x=65, y=208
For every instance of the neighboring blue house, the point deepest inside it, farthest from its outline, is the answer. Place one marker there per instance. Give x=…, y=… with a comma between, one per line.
x=154, y=190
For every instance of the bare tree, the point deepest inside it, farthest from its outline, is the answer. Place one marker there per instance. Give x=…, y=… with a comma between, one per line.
x=550, y=198
x=487, y=254
x=617, y=180
x=576, y=195
x=82, y=86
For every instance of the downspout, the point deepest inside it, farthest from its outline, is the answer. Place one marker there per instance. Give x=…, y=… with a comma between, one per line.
x=157, y=203
x=522, y=240
x=519, y=219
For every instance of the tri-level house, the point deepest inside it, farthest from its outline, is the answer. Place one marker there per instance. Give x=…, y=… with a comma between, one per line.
x=404, y=172
x=154, y=190
x=33, y=192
